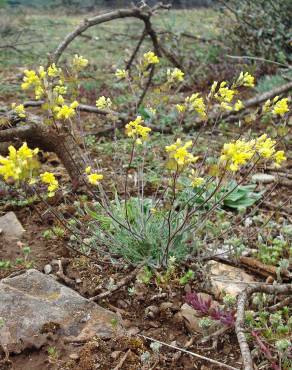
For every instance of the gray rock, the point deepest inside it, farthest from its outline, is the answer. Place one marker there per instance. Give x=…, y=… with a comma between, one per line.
x=11, y=227
x=33, y=303
x=263, y=178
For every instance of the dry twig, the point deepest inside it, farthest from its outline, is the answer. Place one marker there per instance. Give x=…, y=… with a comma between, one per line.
x=239, y=324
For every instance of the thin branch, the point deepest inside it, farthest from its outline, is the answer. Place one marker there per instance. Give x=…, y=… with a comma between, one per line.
x=239, y=324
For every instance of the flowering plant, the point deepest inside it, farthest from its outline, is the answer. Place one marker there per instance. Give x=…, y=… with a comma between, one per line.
x=164, y=225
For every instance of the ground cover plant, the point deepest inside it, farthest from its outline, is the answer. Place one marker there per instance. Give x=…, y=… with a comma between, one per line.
x=168, y=182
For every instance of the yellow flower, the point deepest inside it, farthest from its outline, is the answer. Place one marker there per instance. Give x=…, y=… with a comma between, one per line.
x=137, y=131
x=180, y=108
x=121, y=74
x=281, y=107
x=224, y=94
x=49, y=179
x=197, y=104
x=60, y=100
x=245, y=79
x=20, y=164
x=237, y=154
x=180, y=154
x=79, y=62
x=267, y=106
x=150, y=58
x=279, y=157
x=213, y=89
x=42, y=72
x=238, y=105
x=19, y=110
x=66, y=112
x=103, y=103
x=53, y=70
x=60, y=90
x=94, y=178
x=197, y=181
x=225, y=106
x=265, y=146
x=30, y=79
x=88, y=170
x=175, y=75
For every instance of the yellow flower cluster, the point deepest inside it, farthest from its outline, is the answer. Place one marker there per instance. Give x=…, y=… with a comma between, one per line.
x=238, y=105
x=49, y=179
x=236, y=154
x=53, y=71
x=121, y=74
x=196, y=181
x=193, y=103
x=79, y=62
x=245, y=79
x=149, y=59
x=20, y=164
x=225, y=96
x=65, y=111
x=175, y=75
x=277, y=106
x=19, y=110
x=93, y=178
x=103, y=103
x=137, y=131
x=31, y=79
x=197, y=103
x=179, y=155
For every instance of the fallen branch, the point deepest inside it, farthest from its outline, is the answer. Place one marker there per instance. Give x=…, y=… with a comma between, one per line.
x=239, y=324
x=261, y=268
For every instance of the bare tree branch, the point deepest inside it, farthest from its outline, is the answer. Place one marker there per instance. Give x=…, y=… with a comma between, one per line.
x=135, y=12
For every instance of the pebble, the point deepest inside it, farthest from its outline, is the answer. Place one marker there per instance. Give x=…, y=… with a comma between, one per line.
x=151, y=311
x=48, y=269
x=263, y=178
x=165, y=306
x=74, y=356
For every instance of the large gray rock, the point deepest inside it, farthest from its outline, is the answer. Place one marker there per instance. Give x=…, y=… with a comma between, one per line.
x=33, y=304
x=11, y=227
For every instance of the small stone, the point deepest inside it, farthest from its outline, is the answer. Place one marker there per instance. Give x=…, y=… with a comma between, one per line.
x=263, y=178
x=115, y=354
x=74, y=356
x=165, y=306
x=11, y=227
x=122, y=304
x=78, y=281
x=151, y=311
x=48, y=269
x=134, y=330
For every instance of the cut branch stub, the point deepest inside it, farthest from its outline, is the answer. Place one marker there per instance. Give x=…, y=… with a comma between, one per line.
x=62, y=143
